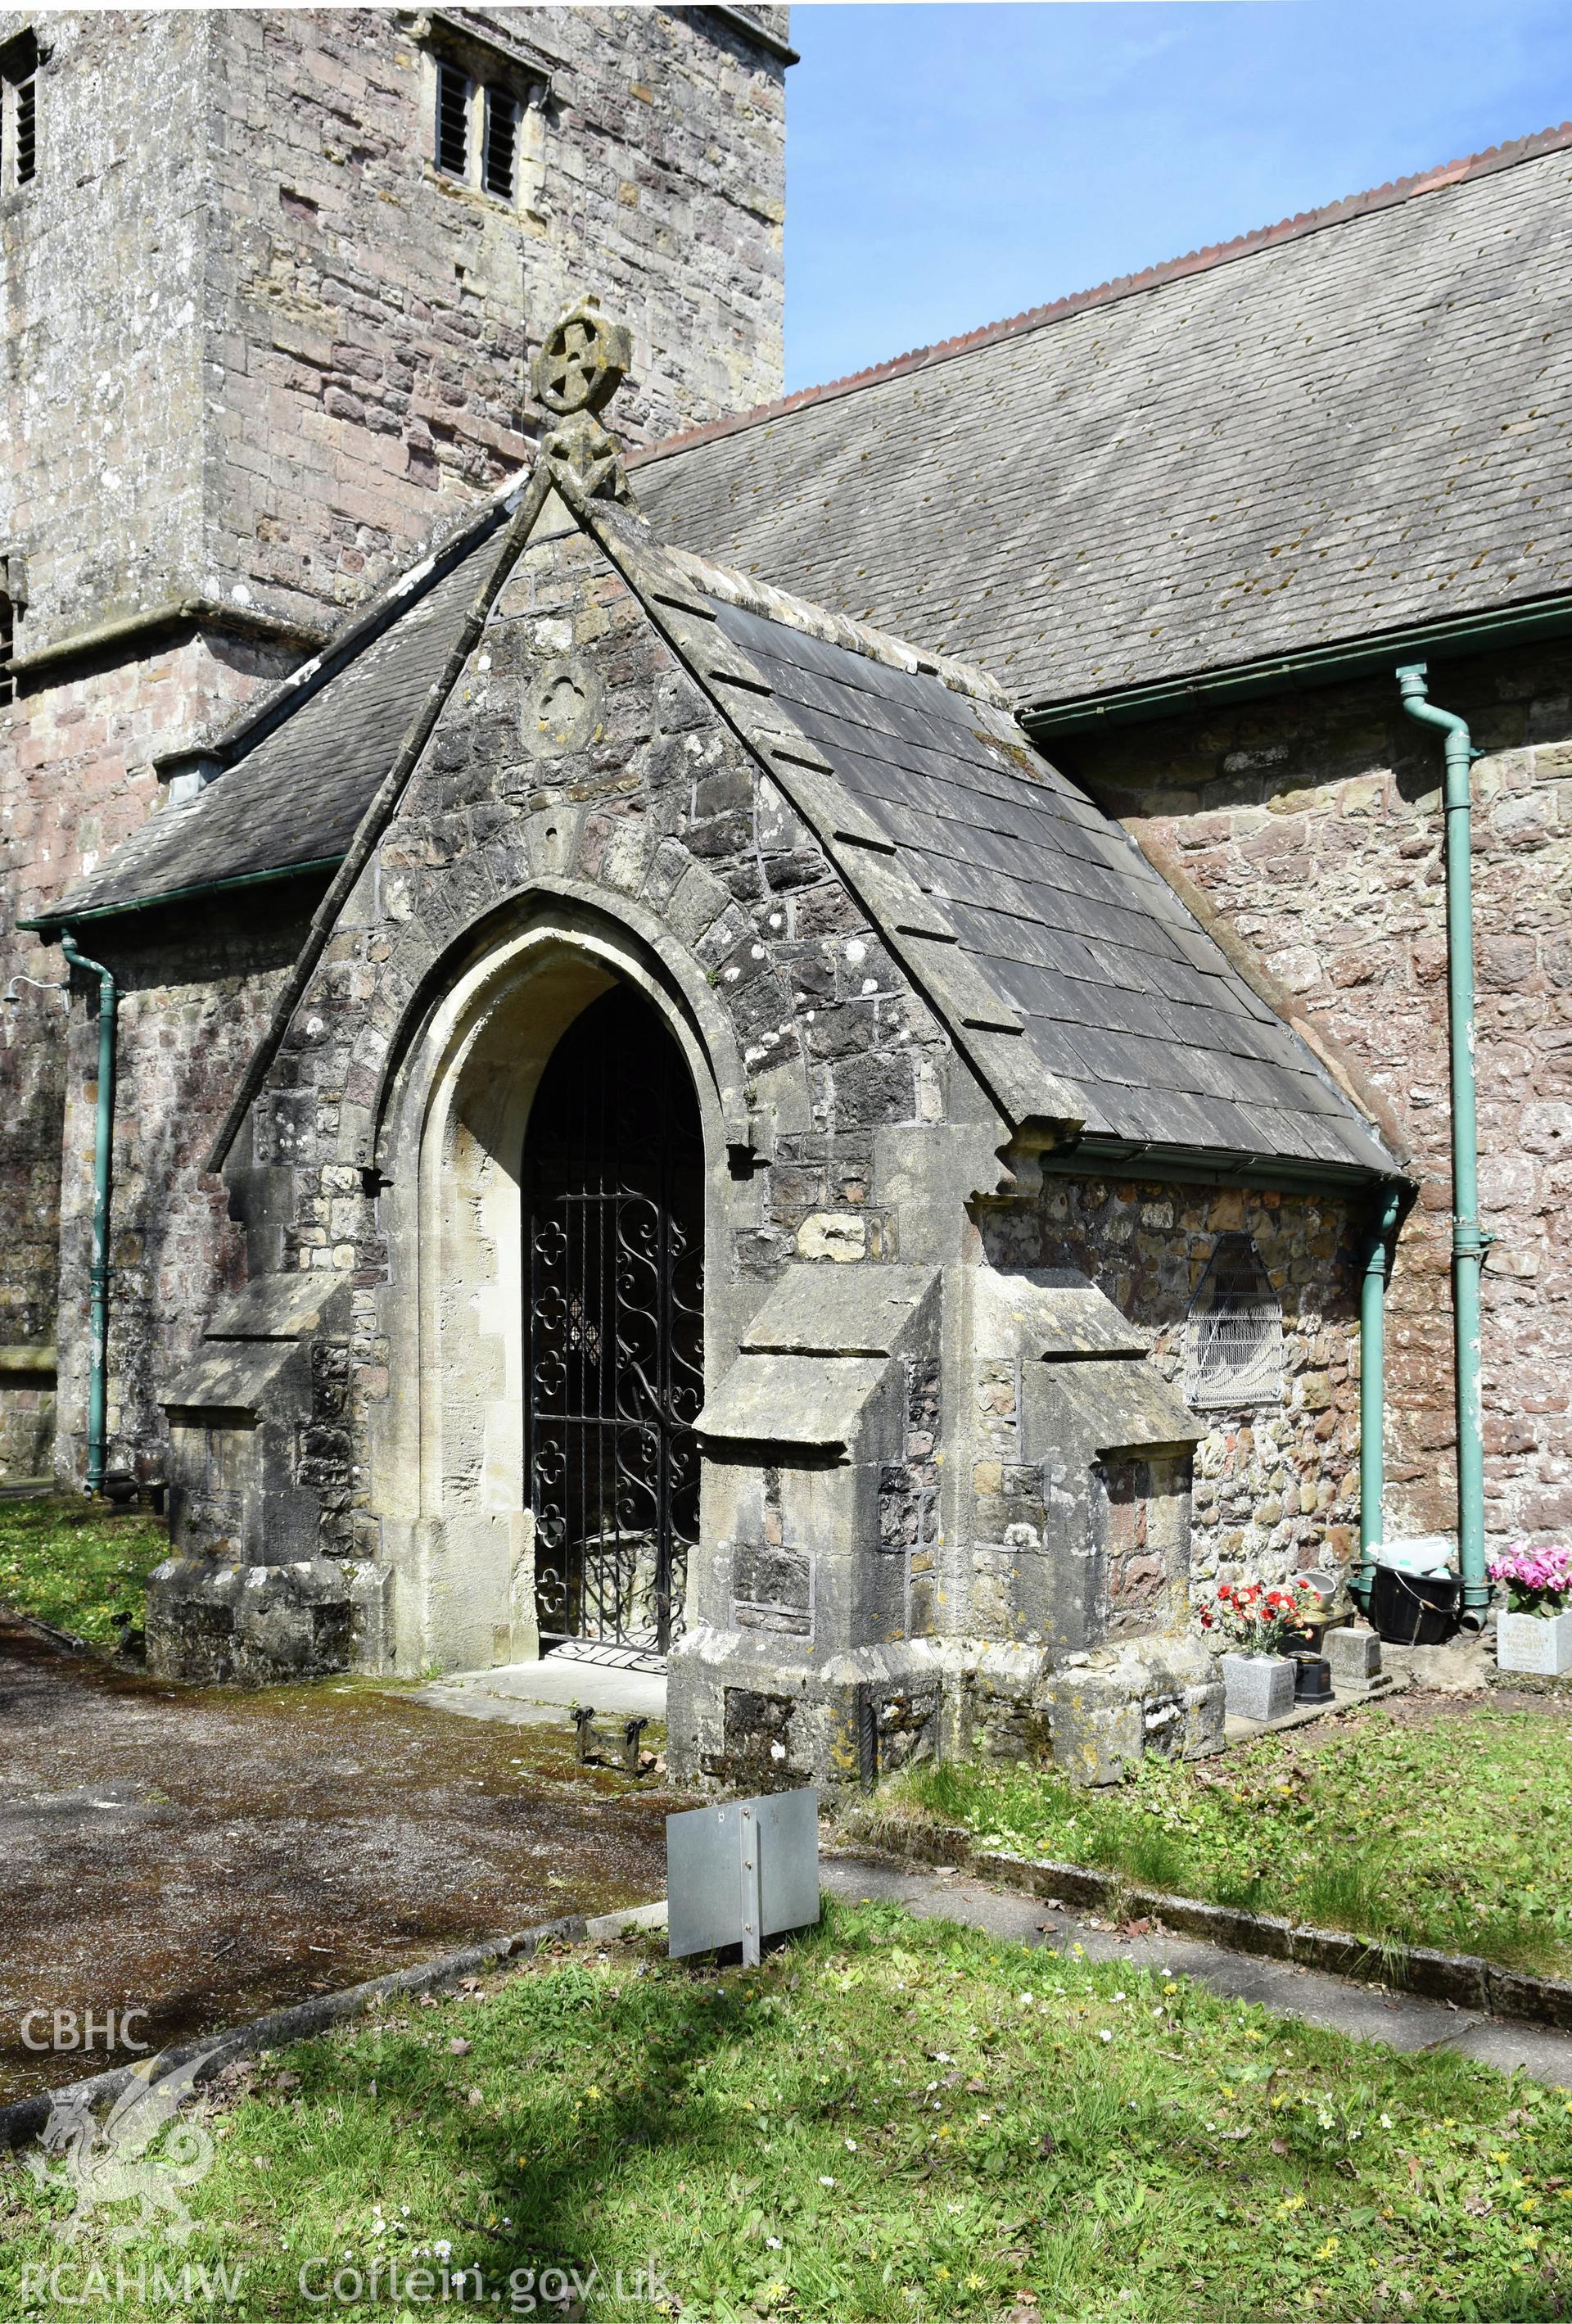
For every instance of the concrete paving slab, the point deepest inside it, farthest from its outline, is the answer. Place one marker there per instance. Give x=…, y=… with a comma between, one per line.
x=1304, y=1714
x=528, y=1693
x=1512, y=2049
x=1365, y=2013
x=484, y=1706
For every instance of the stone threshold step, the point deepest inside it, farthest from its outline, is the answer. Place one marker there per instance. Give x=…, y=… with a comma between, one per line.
x=544, y=1692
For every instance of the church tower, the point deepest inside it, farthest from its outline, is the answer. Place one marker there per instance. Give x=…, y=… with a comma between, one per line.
x=269, y=282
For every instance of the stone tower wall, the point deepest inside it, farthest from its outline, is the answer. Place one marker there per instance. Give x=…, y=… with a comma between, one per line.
x=259, y=349
x=372, y=318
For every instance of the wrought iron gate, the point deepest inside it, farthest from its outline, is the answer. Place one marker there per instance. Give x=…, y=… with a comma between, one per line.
x=613, y=1328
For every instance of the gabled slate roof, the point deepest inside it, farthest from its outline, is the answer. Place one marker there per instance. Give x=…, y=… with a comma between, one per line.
x=1348, y=424
x=1073, y=980
x=294, y=796
x=1034, y=923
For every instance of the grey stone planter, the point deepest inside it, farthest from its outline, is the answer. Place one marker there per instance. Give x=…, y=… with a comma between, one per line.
x=1534, y=1642
x=1257, y=1686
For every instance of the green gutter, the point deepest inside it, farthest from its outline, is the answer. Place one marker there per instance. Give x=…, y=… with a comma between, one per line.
x=103, y=1163
x=47, y=923
x=1467, y=1242
x=1134, y=1158
x=1454, y=635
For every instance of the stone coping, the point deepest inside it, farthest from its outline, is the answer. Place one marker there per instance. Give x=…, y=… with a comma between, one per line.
x=1466, y=1979
x=25, y=2117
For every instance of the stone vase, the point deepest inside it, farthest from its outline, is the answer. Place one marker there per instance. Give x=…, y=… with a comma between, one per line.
x=1257, y=1686
x=1534, y=1642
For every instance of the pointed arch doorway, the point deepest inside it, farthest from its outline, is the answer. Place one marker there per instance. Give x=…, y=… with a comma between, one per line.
x=613, y=1216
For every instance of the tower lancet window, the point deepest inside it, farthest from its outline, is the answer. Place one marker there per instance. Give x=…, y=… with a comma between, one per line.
x=484, y=125
x=27, y=130
x=453, y=107
x=501, y=147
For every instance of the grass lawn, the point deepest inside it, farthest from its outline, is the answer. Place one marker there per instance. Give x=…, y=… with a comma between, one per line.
x=64, y=1561
x=892, y=2118
x=1453, y=1830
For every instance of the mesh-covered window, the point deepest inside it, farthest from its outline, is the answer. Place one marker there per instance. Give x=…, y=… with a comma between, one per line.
x=501, y=143
x=7, y=648
x=452, y=89
x=1234, y=1333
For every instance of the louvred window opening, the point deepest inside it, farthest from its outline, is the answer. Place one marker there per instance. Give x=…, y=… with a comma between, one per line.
x=452, y=121
x=27, y=131
x=501, y=143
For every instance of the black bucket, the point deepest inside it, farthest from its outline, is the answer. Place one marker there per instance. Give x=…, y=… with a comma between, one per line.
x=1415, y=1610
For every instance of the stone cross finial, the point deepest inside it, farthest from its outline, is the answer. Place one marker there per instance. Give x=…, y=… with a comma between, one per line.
x=582, y=362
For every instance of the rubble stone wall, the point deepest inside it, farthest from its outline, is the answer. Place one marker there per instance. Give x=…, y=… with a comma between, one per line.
x=1311, y=827
x=75, y=779
x=1276, y=1486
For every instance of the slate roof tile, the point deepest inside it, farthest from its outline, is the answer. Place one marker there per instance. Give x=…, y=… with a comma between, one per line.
x=1359, y=423
x=296, y=795
x=1058, y=926
x=1122, y=996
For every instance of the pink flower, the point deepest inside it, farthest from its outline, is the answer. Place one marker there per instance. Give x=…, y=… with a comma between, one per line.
x=1538, y=1575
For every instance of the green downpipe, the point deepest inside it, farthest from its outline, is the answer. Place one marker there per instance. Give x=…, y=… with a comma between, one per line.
x=1373, y=1389
x=103, y=1161
x=1467, y=1242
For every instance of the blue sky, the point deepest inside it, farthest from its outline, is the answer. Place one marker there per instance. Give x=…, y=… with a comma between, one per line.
x=948, y=164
